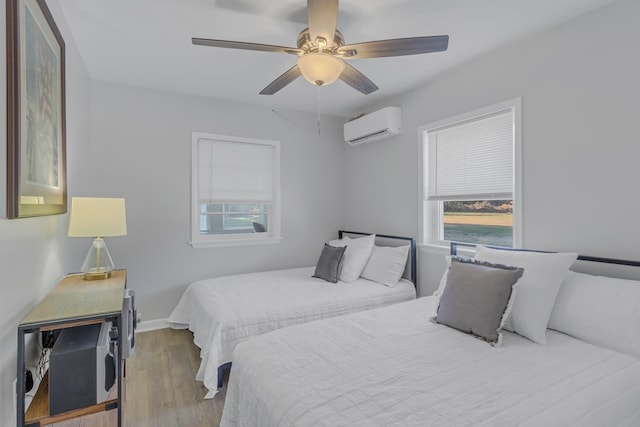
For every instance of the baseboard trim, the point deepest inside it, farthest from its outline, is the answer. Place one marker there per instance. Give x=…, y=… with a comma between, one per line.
x=152, y=325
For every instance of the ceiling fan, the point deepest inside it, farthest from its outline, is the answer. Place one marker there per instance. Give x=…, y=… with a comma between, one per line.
x=321, y=51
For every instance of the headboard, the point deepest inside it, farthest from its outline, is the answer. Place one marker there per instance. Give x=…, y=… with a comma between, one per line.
x=388, y=240
x=454, y=251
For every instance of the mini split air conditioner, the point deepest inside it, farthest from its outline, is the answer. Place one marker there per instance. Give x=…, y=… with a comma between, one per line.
x=373, y=127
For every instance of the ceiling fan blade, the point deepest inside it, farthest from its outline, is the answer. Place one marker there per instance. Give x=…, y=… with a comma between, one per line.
x=323, y=17
x=247, y=46
x=395, y=47
x=357, y=80
x=290, y=75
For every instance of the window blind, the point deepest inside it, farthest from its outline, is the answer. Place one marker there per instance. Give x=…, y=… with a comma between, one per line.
x=472, y=160
x=233, y=171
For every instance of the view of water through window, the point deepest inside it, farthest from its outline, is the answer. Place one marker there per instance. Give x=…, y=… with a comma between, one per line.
x=487, y=222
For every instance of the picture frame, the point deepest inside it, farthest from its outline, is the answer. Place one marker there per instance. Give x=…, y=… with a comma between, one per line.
x=36, y=118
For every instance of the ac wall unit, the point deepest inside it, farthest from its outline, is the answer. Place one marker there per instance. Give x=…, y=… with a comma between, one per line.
x=378, y=125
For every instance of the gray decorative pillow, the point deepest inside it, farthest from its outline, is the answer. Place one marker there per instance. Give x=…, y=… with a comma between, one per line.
x=477, y=297
x=330, y=263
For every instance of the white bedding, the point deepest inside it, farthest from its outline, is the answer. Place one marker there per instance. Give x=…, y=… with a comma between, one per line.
x=394, y=367
x=225, y=311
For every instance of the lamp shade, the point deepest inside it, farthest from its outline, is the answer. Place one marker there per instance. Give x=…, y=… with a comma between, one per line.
x=320, y=68
x=97, y=217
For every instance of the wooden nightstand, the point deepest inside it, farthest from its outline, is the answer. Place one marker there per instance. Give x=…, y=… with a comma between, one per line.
x=73, y=302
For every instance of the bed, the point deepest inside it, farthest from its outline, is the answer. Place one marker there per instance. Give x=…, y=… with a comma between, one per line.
x=397, y=366
x=225, y=311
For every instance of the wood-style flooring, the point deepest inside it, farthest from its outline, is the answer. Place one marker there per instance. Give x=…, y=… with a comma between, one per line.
x=161, y=389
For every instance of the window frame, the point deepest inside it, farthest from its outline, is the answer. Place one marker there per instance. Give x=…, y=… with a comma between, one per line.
x=273, y=235
x=430, y=212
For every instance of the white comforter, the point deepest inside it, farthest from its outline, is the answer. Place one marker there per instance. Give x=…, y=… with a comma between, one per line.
x=393, y=367
x=225, y=311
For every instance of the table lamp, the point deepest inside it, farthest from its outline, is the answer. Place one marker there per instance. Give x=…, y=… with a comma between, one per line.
x=97, y=217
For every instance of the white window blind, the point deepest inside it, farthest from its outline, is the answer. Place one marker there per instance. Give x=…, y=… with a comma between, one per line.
x=235, y=172
x=235, y=191
x=472, y=160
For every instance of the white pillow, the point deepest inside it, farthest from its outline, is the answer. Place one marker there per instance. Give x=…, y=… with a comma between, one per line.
x=445, y=275
x=355, y=256
x=386, y=264
x=443, y=279
x=599, y=310
x=536, y=291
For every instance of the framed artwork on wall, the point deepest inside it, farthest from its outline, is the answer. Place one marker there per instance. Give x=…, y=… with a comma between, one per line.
x=36, y=124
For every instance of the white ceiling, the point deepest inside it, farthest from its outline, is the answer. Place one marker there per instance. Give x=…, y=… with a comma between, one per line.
x=148, y=43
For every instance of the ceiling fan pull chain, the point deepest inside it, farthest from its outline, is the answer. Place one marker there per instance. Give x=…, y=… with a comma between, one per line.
x=318, y=106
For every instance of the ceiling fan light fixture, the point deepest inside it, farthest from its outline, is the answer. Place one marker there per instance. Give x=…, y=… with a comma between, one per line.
x=320, y=68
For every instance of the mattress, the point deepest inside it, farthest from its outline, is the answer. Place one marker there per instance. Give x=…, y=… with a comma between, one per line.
x=225, y=311
x=394, y=367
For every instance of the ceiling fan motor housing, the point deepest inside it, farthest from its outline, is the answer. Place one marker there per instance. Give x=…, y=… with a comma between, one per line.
x=305, y=42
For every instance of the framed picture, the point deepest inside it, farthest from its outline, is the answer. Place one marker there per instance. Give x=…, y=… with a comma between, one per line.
x=36, y=134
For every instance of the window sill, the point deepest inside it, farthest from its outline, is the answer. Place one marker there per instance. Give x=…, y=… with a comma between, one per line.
x=236, y=242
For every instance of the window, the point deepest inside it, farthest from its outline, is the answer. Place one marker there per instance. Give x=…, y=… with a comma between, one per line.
x=471, y=178
x=235, y=191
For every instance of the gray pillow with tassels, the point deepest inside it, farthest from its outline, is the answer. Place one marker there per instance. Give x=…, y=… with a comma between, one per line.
x=477, y=297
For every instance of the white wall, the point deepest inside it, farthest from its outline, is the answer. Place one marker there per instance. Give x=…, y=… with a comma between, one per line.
x=580, y=90
x=35, y=253
x=141, y=140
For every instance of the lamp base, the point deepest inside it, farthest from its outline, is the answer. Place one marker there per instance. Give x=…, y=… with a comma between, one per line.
x=98, y=263
x=97, y=275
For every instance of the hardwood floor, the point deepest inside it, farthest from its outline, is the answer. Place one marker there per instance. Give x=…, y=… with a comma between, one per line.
x=161, y=389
